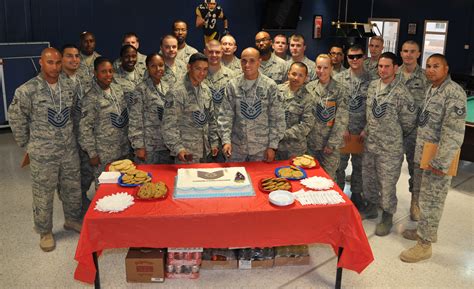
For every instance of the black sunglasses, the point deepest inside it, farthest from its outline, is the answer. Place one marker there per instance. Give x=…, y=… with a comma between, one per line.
x=355, y=56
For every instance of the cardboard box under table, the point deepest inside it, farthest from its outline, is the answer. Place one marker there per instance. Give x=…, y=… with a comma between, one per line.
x=221, y=222
x=145, y=265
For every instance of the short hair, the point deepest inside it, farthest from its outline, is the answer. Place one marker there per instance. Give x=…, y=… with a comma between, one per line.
x=280, y=35
x=125, y=48
x=212, y=42
x=128, y=35
x=198, y=56
x=166, y=37
x=377, y=37
x=337, y=46
x=150, y=57
x=68, y=45
x=390, y=55
x=355, y=47
x=412, y=42
x=296, y=37
x=300, y=65
x=439, y=56
x=99, y=60
x=324, y=56
x=230, y=36
x=85, y=33
x=178, y=21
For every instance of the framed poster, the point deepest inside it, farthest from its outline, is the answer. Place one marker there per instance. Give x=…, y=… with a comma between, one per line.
x=412, y=28
x=317, y=26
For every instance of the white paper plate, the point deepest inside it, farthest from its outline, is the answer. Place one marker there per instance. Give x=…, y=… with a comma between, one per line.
x=281, y=198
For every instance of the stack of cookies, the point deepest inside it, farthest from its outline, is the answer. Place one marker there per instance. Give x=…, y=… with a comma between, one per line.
x=305, y=161
x=135, y=177
x=122, y=166
x=152, y=191
x=290, y=172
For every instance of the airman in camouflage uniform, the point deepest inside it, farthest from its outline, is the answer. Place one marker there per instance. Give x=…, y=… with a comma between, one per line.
x=297, y=50
x=441, y=122
x=229, y=60
x=88, y=54
x=413, y=76
x=217, y=79
x=370, y=64
x=356, y=80
x=337, y=58
x=280, y=47
x=331, y=116
x=271, y=65
x=175, y=69
x=132, y=39
x=180, y=31
x=70, y=65
x=40, y=119
x=299, y=116
x=251, y=118
x=146, y=116
x=189, y=125
x=391, y=116
x=104, y=124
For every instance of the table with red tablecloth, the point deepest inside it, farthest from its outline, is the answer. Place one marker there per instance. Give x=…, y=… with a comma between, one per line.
x=221, y=222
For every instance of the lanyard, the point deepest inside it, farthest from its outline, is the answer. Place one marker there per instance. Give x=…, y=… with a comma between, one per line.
x=379, y=90
x=428, y=96
x=51, y=94
x=355, y=90
x=114, y=100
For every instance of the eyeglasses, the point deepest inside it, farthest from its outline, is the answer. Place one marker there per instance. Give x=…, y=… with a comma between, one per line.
x=355, y=56
x=336, y=53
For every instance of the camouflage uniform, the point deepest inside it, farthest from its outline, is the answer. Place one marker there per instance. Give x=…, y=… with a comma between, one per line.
x=188, y=121
x=331, y=119
x=140, y=66
x=275, y=68
x=391, y=116
x=299, y=120
x=357, y=95
x=184, y=54
x=40, y=121
x=372, y=68
x=87, y=172
x=146, y=115
x=251, y=119
x=234, y=65
x=337, y=71
x=287, y=56
x=217, y=82
x=86, y=68
x=442, y=122
x=104, y=125
x=417, y=84
x=175, y=73
x=309, y=63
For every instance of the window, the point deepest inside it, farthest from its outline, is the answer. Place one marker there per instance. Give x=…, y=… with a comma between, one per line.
x=434, y=38
x=388, y=29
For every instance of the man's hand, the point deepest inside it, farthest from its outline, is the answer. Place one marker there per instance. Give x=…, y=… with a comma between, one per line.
x=182, y=155
x=327, y=150
x=363, y=136
x=141, y=153
x=227, y=150
x=269, y=155
x=95, y=161
x=347, y=136
x=436, y=171
x=214, y=151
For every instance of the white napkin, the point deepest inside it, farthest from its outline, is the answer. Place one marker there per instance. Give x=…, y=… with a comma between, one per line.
x=329, y=197
x=317, y=183
x=114, y=203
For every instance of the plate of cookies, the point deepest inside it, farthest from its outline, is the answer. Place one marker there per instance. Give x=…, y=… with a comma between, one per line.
x=291, y=173
x=134, y=178
x=305, y=161
x=268, y=185
x=122, y=166
x=152, y=192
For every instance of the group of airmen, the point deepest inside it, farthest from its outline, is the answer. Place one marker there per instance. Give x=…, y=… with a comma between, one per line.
x=84, y=111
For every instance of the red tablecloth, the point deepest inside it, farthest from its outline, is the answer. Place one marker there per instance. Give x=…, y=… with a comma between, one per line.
x=221, y=222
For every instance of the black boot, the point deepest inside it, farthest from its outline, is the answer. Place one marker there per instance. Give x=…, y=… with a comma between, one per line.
x=358, y=201
x=370, y=211
x=383, y=228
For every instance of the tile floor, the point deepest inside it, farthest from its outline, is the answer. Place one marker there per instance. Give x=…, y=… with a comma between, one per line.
x=24, y=265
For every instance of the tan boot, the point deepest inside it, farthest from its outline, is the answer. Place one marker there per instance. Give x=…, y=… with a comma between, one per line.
x=421, y=251
x=73, y=225
x=411, y=234
x=414, y=211
x=47, y=242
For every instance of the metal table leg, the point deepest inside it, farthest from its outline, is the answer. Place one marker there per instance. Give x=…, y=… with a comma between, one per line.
x=97, y=277
x=338, y=272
